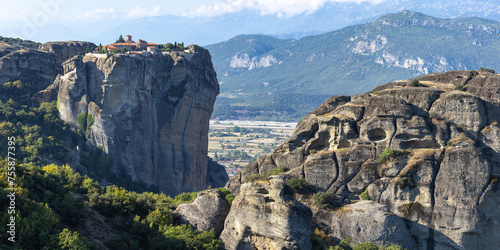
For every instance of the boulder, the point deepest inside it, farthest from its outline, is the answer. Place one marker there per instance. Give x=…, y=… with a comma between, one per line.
x=365, y=221
x=208, y=211
x=463, y=109
x=263, y=217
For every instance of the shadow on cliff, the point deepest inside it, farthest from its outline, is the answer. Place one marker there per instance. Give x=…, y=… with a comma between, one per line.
x=428, y=238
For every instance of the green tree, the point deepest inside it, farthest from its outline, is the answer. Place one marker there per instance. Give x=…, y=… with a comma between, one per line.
x=71, y=240
x=120, y=39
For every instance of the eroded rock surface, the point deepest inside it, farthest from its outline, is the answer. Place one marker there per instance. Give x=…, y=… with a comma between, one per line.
x=39, y=67
x=444, y=184
x=208, y=211
x=262, y=217
x=366, y=221
x=151, y=114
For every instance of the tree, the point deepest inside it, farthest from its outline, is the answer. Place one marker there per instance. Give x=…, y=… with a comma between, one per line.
x=120, y=39
x=71, y=240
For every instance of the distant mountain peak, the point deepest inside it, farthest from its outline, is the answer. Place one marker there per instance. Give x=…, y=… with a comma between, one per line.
x=407, y=18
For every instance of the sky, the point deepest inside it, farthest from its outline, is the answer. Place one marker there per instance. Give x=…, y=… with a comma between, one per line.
x=37, y=14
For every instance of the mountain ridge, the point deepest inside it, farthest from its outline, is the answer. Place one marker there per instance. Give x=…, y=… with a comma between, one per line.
x=350, y=60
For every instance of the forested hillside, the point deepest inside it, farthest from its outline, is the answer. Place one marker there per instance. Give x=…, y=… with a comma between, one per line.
x=56, y=207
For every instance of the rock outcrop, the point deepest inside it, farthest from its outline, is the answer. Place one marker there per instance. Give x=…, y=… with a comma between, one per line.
x=150, y=114
x=66, y=50
x=442, y=163
x=366, y=221
x=208, y=211
x=39, y=67
x=263, y=217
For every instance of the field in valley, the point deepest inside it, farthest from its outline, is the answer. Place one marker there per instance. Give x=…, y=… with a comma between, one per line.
x=235, y=143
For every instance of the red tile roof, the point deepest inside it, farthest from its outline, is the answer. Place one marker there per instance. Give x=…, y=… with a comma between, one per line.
x=123, y=44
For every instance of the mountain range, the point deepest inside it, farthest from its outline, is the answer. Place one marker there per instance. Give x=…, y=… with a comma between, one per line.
x=203, y=30
x=264, y=77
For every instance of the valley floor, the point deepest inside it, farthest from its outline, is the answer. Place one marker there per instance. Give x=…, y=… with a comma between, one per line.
x=235, y=143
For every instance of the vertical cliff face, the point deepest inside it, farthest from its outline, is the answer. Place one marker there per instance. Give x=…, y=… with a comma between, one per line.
x=150, y=114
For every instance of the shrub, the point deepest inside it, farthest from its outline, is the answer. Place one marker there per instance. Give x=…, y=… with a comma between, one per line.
x=82, y=121
x=414, y=83
x=276, y=171
x=313, y=151
x=71, y=240
x=299, y=185
x=185, y=197
x=459, y=86
x=364, y=195
x=229, y=197
x=256, y=177
x=320, y=240
x=486, y=70
x=388, y=154
x=366, y=246
x=324, y=199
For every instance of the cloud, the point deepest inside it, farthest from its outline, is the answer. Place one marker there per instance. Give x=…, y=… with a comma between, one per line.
x=96, y=14
x=8, y=14
x=269, y=7
x=138, y=12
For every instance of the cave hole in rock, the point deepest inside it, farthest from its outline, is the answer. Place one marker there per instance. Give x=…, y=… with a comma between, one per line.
x=344, y=144
x=262, y=191
x=377, y=134
x=351, y=135
x=267, y=199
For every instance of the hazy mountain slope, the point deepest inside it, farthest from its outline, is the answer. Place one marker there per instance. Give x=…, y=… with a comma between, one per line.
x=332, y=16
x=350, y=60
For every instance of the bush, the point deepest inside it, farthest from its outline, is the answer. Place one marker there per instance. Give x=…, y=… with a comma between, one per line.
x=364, y=195
x=229, y=197
x=366, y=246
x=414, y=83
x=185, y=197
x=256, y=177
x=324, y=199
x=388, y=154
x=486, y=70
x=320, y=240
x=71, y=240
x=276, y=171
x=299, y=185
x=313, y=151
x=459, y=86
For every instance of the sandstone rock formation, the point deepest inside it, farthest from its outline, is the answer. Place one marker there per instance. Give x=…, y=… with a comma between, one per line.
x=39, y=67
x=66, y=50
x=262, y=217
x=366, y=221
x=445, y=182
x=208, y=211
x=150, y=114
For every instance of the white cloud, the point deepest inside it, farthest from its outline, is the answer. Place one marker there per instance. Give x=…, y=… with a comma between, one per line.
x=97, y=14
x=8, y=14
x=269, y=7
x=138, y=12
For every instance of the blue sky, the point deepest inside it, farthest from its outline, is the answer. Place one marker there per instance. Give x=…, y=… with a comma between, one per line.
x=28, y=19
x=68, y=10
